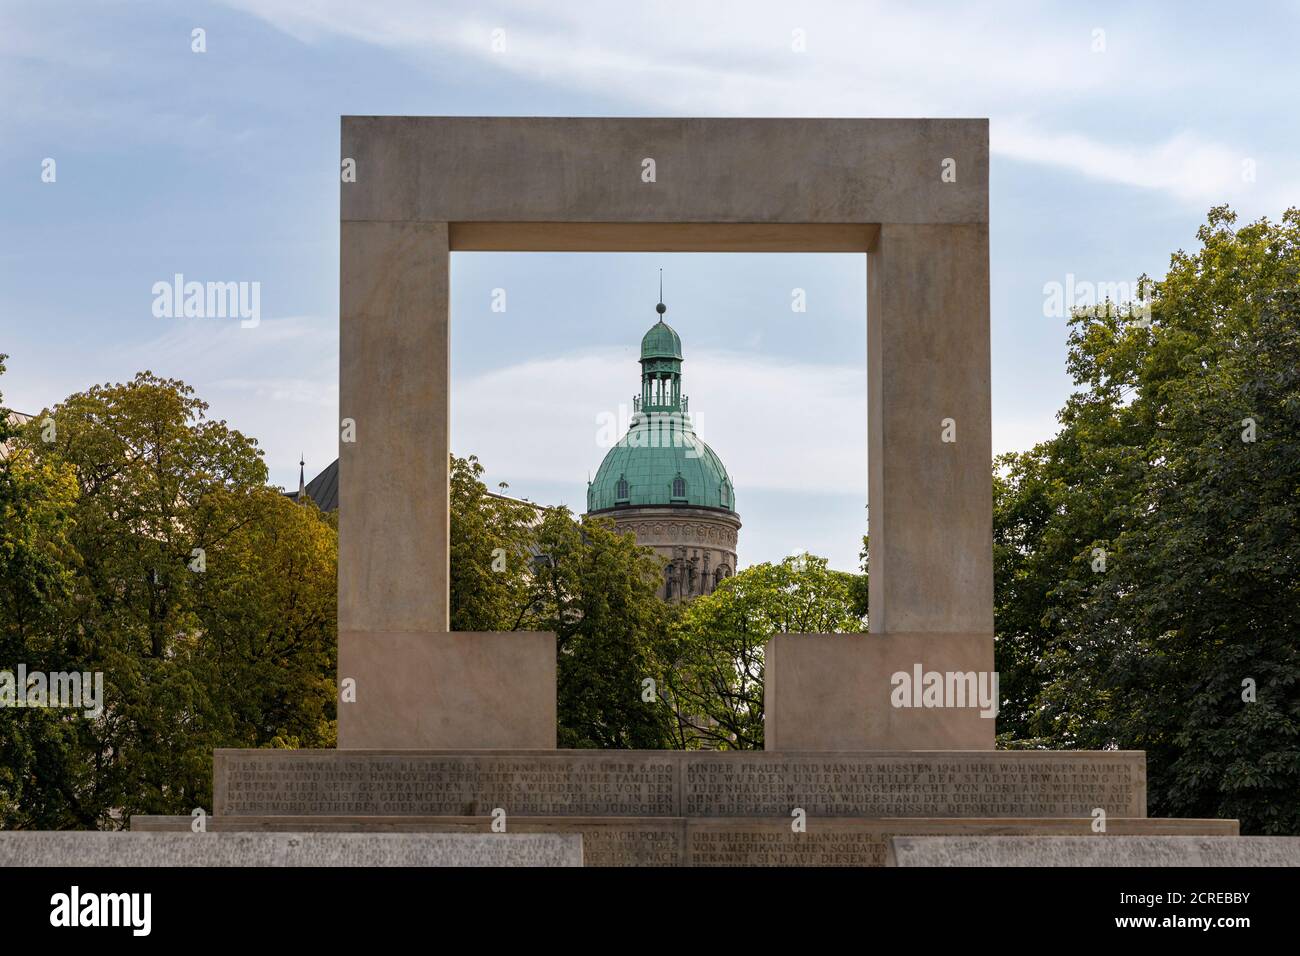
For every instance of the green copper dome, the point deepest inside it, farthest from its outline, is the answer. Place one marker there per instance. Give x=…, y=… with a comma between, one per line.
x=661, y=461
x=661, y=342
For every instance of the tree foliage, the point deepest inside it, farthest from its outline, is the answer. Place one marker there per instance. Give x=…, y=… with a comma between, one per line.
x=140, y=541
x=1148, y=556
x=1147, y=563
x=492, y=543
x=595, y=588
x=517, y=567
x=714, y=664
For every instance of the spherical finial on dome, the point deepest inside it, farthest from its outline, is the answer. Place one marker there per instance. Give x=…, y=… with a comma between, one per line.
x=661, y=308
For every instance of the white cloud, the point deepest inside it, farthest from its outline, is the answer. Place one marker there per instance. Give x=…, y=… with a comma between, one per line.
x=1022, y=434
x=1185, y=165
x=864, y=59
x=776, y=425
x=277, y=383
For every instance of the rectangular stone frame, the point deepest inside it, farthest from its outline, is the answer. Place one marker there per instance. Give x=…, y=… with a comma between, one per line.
x=911, y=193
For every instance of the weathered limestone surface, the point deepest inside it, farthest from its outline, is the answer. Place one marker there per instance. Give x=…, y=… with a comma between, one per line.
x=421, y=783
x=471, y=691
x=97, y=849
x=832, y=692
x=931, y=500
x=690, y=784
x=698, y=841
x=607, y=841
x=736, y=170
x=394, y=483
x=1146, y=850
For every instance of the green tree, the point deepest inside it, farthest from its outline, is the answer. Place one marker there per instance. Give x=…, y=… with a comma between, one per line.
x=206, y=600
x=516, y=567
x=595, y=588
x=859, y=584
x=715, y=662
x=1147, y=556
x=492, y=540
x=37, y=567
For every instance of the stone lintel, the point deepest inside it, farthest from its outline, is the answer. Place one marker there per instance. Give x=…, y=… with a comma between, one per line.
x=742, y=170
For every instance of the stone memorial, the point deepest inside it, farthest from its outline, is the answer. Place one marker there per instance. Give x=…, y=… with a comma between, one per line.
x=872, y=740
x=429, y=186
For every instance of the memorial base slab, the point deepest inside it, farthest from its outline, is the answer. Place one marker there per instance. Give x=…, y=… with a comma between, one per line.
x=1144, y=850
x=162, y=846
x=661, y=783
x=696, y=808
x=694, y=841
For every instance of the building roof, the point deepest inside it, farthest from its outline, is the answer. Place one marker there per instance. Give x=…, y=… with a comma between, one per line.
x=645, y=467
x=14, y=418
x=661, y=342
x=324, y=490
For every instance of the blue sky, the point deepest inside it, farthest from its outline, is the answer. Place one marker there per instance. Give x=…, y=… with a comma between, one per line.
x=1107, y=150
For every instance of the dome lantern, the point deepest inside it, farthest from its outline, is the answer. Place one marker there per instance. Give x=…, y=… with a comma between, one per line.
x=661, y=366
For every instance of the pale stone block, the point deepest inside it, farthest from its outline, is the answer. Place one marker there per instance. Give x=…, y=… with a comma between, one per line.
x=751, y=183
x=451, y=691
x=731, y=170
x=1004, y=851
x=834, y=692
x=731, y=841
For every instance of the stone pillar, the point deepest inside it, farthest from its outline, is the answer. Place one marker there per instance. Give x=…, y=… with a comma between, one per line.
x=416, y=685
x=393, y=382
x=931, y=517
